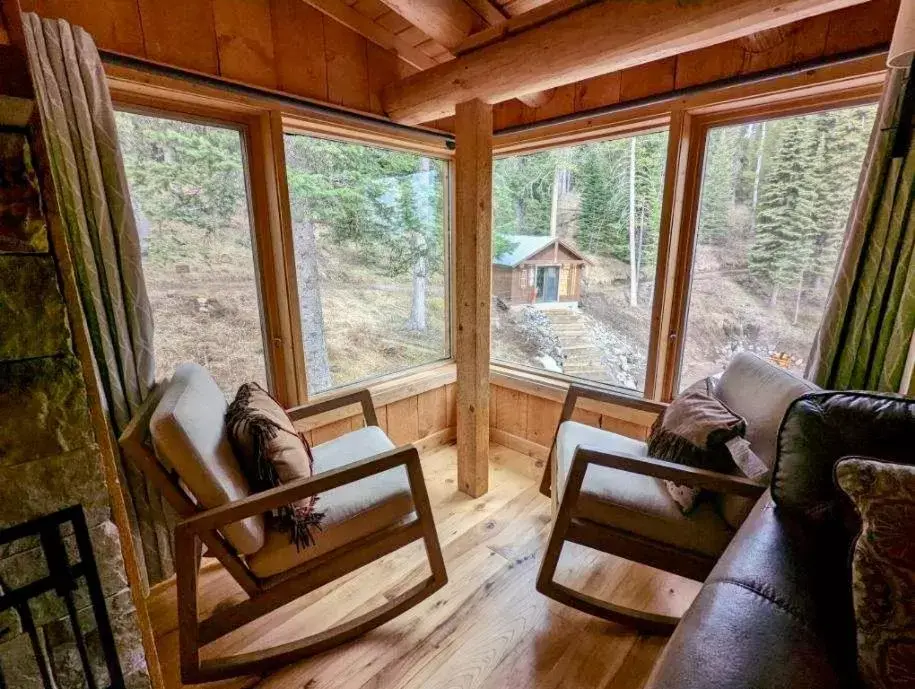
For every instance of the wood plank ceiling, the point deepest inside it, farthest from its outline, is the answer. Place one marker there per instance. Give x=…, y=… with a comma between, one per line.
x=425, y=33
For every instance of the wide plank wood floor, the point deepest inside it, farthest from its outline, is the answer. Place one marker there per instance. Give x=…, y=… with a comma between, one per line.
x=487, y=629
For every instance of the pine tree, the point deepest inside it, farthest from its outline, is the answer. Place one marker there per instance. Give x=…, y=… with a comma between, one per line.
x=719, y=184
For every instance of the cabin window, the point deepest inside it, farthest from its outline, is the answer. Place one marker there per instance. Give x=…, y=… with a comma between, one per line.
x=371, y=249
x=188, y=187
x=775, y=200
x=582, y=222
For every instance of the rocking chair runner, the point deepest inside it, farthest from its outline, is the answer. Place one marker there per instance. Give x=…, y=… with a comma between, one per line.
x=373, y=495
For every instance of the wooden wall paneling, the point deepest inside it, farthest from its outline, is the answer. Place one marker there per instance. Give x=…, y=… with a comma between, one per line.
x=473, y=280
x=382, y=414
x=648, y=80
x=562, y=102
x=868, y=24
x=384, y=67
x=298, y=48
x=710, y=64
x=184, y=36
x=114, y=24
x=542, y=418
x=510, y=411
x=346, y=54
x=335, y=429
x=589, y=418
x=432, y=412
x=244, y=39
x=598, y=91
x=403, y=421
x=626, y=428
x=451, y=403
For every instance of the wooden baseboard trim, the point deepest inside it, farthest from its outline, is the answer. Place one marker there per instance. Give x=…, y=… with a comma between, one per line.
x=519, y=444
x=445, y=436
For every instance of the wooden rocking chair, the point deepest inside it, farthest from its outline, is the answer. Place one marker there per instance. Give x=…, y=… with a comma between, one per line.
x=373, y=496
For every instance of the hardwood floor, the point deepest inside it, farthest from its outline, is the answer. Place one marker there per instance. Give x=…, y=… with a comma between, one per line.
x=488, y=628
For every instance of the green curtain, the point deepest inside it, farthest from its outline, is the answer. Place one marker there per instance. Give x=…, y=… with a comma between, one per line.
x=866, y=332
x=81, y=136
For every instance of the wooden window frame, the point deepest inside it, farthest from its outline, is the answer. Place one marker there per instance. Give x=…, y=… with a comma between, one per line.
x=262, y=123
x=687, y=121
x=309, y=126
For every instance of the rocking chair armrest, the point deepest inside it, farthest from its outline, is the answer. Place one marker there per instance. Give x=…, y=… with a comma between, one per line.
x=267, y=500
x=363, y=397
x=658, y=468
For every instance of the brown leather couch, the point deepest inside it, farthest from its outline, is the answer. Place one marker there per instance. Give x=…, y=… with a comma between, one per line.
x=776, y=610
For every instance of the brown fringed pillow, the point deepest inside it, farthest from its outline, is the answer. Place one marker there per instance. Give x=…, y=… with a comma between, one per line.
x=694, y=431
x=271, y=452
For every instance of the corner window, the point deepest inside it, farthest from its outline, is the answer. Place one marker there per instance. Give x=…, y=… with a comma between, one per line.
x=188, y=188
x=575, y=239
x=775, y=201
x=371, y=247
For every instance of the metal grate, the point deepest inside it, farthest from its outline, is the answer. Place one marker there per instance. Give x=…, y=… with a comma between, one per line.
x=63, y=580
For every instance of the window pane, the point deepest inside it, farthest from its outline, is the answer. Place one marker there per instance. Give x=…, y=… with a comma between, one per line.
x=187, y=185
x=776, y=196
x=370, y=256
x=575, y=239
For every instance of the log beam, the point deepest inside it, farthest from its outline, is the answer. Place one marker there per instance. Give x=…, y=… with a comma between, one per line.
x=596, y=39
x=473, y=249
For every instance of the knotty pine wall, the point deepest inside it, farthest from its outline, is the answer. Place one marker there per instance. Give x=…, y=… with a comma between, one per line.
x=526, y=422
x=285, y=45
x=858, y=27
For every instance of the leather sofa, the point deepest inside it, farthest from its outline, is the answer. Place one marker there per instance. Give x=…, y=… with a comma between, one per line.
x=776, y=611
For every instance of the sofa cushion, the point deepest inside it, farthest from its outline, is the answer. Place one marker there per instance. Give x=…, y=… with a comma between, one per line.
x=760, y=392
x=632, y=502
x=189, y=434
x=774, y=612
x=819, y=429
x=351, y=511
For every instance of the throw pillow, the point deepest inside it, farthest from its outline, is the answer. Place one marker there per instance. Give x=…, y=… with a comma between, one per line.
x=271, y=452
x=883, y=569
x=694, y=430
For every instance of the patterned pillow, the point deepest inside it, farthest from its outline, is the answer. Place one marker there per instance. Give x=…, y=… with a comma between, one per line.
x=694, y=430
x=271, y=452
x=883, y=569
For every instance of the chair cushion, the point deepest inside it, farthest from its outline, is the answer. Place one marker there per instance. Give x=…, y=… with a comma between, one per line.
x=760, y=392
x=632, y=502
x=351, y=511
x=188, y=432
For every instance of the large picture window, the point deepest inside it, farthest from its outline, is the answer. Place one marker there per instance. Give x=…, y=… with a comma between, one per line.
x=371, y=254
x=188, y=187
x=775, y=201
x=575, y=240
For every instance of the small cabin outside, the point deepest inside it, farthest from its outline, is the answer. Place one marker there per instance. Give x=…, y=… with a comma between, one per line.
x=538, y=270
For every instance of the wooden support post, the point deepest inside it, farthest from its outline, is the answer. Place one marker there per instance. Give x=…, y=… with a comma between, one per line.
x=473, y=266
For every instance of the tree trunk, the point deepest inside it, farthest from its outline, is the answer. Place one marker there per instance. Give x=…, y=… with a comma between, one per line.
x=633, y=261
x=554, y=202
x=319, y=377
x=417, y=321
x=756, y=179
x=797, y=302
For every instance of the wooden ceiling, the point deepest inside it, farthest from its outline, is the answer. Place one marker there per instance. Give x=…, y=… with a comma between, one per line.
x=425, y=33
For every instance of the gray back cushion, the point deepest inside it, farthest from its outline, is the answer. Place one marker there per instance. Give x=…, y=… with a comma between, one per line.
x=760, y=392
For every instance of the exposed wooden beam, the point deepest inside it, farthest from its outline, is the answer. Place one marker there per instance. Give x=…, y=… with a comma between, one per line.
x=448, y=22
x=346, y=15
x=473, y=249
x=522, y=22
x=490, y=12
x=587, y=42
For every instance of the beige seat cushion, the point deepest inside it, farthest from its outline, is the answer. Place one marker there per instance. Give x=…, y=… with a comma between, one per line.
x=351, y=511
x=760, y=392
x=189, y=435
x=632, y=502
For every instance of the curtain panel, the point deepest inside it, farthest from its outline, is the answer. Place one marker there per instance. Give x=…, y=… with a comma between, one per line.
x=864, y=340
x=79, y=128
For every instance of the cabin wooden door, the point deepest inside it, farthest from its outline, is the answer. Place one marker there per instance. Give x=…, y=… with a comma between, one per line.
x=548, y=283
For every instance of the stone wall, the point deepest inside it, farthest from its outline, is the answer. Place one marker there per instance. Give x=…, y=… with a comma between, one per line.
x=49, y=458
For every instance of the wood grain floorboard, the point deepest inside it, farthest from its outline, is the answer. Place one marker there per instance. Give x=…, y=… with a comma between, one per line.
x=487, y=629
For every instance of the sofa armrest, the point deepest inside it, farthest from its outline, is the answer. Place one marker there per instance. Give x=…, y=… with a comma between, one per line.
x=659, y=468
x=363, y=397
x=264, y=501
